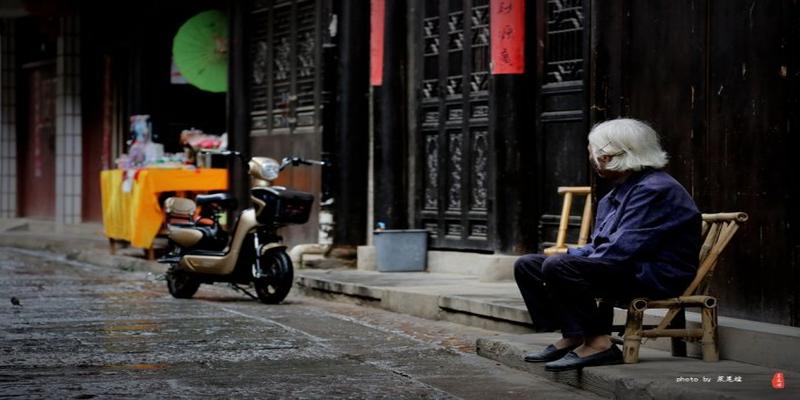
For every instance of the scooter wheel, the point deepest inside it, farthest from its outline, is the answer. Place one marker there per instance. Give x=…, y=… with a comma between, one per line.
x=181, y=284
x=278, y=274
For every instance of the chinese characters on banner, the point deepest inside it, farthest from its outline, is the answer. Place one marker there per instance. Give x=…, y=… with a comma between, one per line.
x=508, y=36
x=377, y=12
x=778, y=381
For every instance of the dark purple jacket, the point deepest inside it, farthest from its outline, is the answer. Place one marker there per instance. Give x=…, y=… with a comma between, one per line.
x=650, y=222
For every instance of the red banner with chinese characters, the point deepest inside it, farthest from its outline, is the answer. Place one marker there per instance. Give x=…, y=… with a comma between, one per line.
x=377, y=12
x=508, y=36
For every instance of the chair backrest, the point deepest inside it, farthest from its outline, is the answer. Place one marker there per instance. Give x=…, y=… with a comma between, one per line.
x=569, y=193
x=718, y=229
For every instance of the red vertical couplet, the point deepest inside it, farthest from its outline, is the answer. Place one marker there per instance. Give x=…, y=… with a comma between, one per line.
x=377, y=13
x=508, y=36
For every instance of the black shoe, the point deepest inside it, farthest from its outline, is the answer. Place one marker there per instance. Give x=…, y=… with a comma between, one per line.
x=550, y=353
x=572, y=361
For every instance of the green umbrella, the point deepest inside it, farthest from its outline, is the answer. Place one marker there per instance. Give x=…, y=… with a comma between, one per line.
x=200, y=51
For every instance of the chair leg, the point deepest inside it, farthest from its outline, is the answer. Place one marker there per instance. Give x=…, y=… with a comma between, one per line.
x=563, y=225
x=678, y=344
x=709, y=322
x=633, y=334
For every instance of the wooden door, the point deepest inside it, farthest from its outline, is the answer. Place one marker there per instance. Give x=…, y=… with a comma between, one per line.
x=285, y=85
x=37, y=164
x=453, y=101
x=563, y=115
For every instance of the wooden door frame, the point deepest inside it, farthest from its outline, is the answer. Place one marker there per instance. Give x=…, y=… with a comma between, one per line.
x=24, y=114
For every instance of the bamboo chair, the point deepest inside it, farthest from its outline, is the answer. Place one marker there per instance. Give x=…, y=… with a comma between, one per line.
x=586, y=219
x=718, y=229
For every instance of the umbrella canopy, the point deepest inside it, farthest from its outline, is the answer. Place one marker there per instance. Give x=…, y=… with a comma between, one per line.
x=200, y=51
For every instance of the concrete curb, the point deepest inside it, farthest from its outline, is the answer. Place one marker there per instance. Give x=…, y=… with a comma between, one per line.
x=75, y=249
x=485, y=306
x=656, y=376
x=425, y=299
x=349, y=289
x=487, y=267
x=490, y=306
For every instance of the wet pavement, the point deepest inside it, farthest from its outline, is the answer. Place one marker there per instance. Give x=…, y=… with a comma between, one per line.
x=83, y=331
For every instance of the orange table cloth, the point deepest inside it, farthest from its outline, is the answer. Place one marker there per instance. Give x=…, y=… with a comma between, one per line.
x=135, y=215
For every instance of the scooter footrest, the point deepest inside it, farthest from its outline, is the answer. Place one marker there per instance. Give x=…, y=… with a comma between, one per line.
x=211, y=253
x=169, y=260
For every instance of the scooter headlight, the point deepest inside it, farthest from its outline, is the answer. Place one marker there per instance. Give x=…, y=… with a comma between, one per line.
x=270, y=169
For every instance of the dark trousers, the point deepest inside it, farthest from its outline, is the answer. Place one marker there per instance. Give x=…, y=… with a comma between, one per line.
x=560, y=292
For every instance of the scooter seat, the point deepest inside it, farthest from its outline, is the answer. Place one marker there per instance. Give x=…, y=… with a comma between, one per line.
x=224, y=200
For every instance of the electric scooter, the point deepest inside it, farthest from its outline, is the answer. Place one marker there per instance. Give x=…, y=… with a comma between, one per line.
x=250, y=254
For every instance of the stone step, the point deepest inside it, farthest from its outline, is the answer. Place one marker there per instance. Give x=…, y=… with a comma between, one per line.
x=498, y=306
x=658, y=375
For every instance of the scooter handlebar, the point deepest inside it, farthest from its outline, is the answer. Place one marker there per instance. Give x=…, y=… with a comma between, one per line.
x=295, y=161
x=226, y=153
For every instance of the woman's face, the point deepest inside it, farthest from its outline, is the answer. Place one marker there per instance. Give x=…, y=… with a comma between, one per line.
x=599, y=164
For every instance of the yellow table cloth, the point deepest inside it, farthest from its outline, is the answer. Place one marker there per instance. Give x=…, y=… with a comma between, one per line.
x=136, y=216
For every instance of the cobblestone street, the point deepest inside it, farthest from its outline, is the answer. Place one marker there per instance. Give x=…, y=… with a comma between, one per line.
x=83, y=331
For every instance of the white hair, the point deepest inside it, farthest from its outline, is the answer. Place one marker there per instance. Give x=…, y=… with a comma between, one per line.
x=632, y=145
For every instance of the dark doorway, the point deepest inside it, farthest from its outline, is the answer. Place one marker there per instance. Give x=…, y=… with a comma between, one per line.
x=37, y=164
x=563, y=31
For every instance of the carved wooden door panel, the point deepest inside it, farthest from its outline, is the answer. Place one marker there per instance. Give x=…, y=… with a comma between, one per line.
x=285, y=79
x=453, y=104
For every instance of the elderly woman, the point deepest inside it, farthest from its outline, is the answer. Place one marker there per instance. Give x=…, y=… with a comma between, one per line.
x=645, y=243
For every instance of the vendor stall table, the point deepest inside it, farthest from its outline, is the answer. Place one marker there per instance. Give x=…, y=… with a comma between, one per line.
x=135, y=215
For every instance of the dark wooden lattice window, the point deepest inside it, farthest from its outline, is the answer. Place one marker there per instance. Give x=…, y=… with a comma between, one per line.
x=284, y=58
x=564, y=41
x=453, y=122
